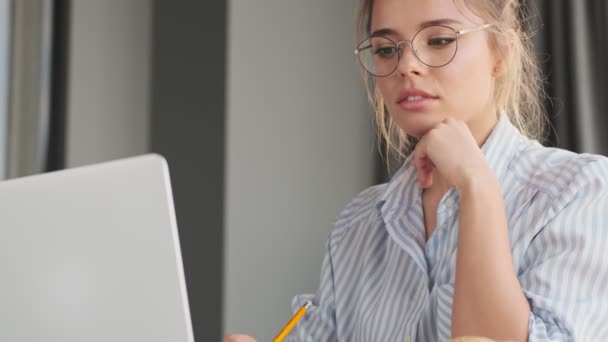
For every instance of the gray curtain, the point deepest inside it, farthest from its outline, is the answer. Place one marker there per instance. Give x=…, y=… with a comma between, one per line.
x=572, y=43
x=29, y=87
x=33, y=90
x=5, y=39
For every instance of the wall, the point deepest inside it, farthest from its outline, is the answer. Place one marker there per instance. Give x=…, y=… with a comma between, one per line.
x=298, y=149
x=108, y=108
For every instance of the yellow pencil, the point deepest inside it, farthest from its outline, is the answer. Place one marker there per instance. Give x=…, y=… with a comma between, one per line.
x=292, y=322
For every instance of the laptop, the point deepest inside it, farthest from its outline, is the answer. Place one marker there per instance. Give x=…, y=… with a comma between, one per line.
x=92, y=254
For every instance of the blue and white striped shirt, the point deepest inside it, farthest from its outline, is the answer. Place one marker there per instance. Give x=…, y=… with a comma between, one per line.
x=382, y=280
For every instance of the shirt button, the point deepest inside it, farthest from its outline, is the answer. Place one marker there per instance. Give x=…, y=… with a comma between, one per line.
x=449, y=202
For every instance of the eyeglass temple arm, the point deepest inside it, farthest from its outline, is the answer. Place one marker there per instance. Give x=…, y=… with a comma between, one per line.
x=361, y=49
x=461, y=32
x=478, y=28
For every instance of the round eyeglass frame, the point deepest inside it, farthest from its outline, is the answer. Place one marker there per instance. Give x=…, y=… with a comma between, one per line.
x=400, y=51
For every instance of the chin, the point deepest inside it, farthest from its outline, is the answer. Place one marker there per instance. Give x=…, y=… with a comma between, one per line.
x=417, y=124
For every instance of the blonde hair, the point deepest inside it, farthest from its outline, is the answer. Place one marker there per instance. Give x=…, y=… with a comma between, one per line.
x=519, y=89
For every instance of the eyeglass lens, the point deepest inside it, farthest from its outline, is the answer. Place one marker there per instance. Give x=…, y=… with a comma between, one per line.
x=435, y=46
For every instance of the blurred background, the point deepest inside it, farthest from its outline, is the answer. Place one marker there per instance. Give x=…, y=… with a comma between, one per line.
x=260, y=111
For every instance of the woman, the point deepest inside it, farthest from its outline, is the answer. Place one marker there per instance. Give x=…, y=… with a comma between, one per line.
x=482, y=231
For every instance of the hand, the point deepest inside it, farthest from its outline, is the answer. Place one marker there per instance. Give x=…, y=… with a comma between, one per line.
x=451, y=149
x=239, y=338
x=472, y=339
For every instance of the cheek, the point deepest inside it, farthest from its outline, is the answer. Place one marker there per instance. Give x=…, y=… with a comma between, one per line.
x=385, y=86
x=467, y=84
x=389, y=89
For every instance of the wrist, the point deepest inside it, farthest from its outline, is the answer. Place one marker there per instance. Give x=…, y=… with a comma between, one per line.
x=478, y=181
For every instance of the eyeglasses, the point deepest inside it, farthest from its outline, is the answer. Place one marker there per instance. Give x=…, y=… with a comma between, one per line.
x=435, y=46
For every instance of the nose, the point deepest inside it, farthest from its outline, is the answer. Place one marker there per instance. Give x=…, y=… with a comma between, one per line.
x=409, y=64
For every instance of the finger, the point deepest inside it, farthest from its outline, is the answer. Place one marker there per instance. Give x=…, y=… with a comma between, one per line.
x=424, y=172
x=421, y=172
x=424, y=165
x=420, y=150
x=419, y=163
x=427, y=174
x=429, y=166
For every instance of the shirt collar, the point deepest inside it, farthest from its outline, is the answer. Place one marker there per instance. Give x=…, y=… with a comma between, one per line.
x=402, y=190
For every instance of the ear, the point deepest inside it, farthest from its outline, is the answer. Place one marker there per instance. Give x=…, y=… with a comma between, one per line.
x=503, y=53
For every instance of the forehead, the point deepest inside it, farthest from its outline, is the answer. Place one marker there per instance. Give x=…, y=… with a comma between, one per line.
x=405, y=16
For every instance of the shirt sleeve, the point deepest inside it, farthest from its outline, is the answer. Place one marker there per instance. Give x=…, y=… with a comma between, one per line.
x=319, y=322
x=566, y=282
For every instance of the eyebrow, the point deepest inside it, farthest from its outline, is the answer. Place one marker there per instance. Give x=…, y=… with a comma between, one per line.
x=442, y=21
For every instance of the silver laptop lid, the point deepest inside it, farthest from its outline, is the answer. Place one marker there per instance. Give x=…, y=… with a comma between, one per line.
x=92, y=254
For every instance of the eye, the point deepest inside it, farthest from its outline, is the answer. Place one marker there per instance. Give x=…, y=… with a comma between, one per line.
x=386, y=51
x=439, y=41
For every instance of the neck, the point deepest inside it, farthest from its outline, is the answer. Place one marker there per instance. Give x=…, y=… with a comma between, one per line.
x=482, y=125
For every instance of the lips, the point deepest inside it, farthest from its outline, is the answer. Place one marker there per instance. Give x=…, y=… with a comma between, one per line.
x=415, y=100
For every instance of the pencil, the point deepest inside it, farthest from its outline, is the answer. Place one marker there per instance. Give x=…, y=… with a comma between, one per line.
x=292, y=322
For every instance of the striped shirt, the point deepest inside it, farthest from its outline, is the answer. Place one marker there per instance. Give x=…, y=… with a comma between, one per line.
x=382, y=280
